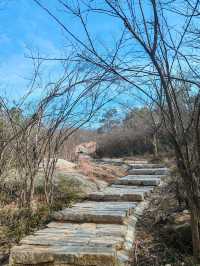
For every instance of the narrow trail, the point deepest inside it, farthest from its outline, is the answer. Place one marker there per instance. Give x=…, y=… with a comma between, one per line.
x=99, y=231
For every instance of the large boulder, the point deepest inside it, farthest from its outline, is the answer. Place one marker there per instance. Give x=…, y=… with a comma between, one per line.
x=78, y=181
x=86, y=148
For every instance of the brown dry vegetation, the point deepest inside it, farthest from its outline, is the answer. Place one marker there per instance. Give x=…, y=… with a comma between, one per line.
x=164, y=231
x=101, y=171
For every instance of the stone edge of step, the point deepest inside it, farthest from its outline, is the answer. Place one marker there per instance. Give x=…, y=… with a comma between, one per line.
x=123, y=256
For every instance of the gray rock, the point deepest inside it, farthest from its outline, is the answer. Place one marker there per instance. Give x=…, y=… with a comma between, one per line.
x=96, y=212
x=146, y=166
x=98, y=232
x=149, y=171
x=118, y=194
x=139, y=180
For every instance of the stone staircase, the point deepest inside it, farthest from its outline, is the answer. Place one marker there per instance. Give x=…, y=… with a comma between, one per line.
x=99, y=231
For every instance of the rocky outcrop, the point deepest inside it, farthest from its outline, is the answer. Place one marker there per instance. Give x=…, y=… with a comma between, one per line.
x=86, y=148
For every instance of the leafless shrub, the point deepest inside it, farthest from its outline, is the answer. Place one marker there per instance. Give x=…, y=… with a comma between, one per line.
x=33, y=140
x=160, y=53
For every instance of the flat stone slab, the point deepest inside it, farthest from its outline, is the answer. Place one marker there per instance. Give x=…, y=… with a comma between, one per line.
x=136, y=162
x=96, y=232
x=146, y=165
x=112, y=161
x=72, y=244
x=96, y=212
x=135, y=180
x=149, y=171
x=123, y=193
x=145, y=189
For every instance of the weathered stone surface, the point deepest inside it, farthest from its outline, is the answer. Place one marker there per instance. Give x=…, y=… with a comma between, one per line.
x=109, y=160
x=149, y=171
x=146, y=166
x=136, y=162
x=65, y=256
x=117, y=162
x=78, y=180
x=135, y=180
x=118, y=194
x=97, y=232
x=132, y=187
x=96, y=212
x=73, y=244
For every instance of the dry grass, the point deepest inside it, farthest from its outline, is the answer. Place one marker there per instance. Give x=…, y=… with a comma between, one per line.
x=158, y=242
x=101, y=172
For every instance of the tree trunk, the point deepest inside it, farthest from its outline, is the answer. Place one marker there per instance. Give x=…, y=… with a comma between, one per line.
x=195, y=224
x=155, y=144
x=192, y=189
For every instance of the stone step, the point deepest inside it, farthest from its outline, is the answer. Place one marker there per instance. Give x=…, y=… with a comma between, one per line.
x=97, y=232
x=141, y=180
x=112, y=161
x=136, y=162
x=123, y=193
x=145, y=189
x=96, y=212
x=149, y=171
x=146, y=166
x=85, y=244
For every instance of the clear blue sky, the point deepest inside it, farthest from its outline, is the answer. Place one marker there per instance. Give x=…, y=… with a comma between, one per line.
x=24, y=26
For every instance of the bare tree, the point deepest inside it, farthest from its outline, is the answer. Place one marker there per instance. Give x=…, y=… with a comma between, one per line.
x=37, y=137
x=150, y=48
